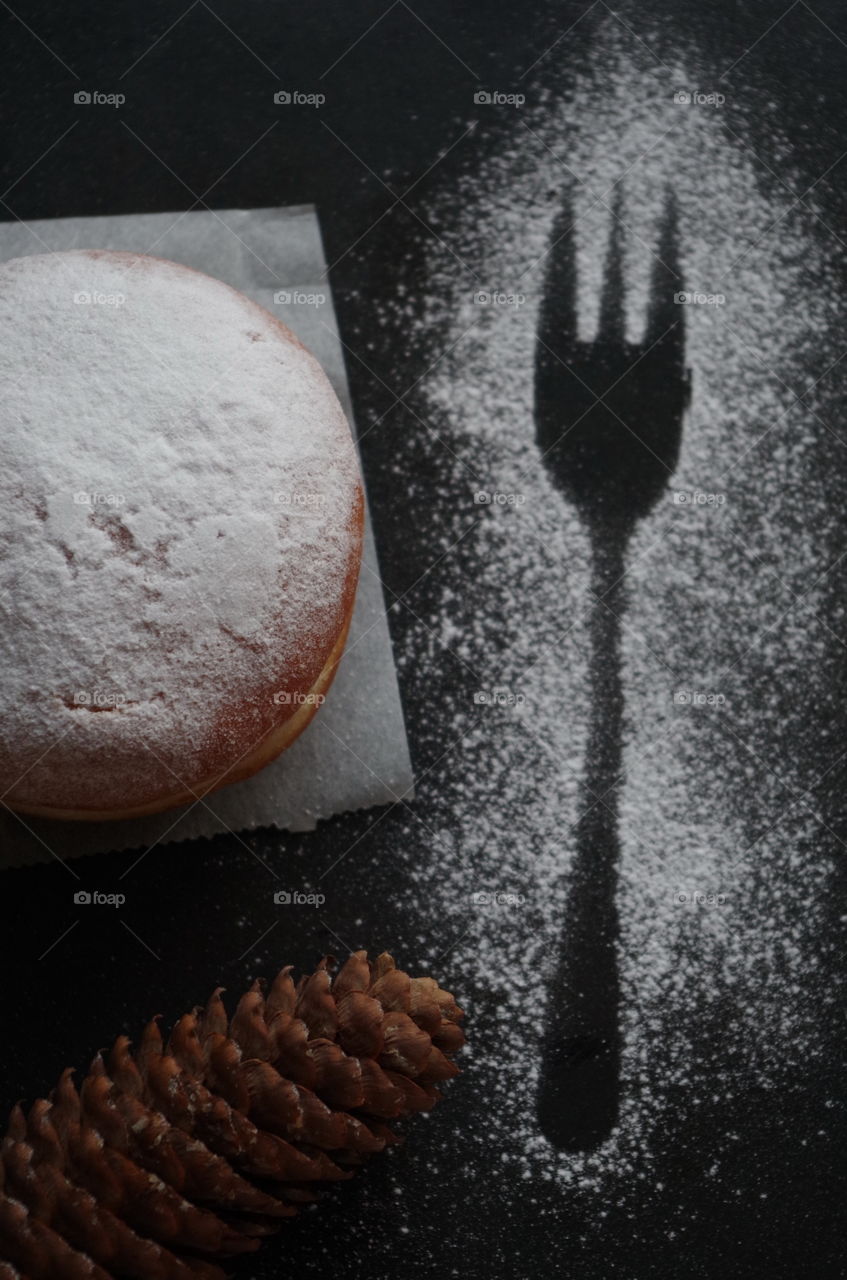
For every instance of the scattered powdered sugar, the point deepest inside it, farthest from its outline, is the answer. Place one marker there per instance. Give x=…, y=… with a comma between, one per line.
x=178, y=513
x=729, y=638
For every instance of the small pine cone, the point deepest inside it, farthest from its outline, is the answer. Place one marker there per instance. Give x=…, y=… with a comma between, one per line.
x=147, y=1171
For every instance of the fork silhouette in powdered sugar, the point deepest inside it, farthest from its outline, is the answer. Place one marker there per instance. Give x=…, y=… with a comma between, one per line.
x=608, y=417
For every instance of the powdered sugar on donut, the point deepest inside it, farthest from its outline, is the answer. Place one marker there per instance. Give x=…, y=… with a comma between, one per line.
x=178, y=518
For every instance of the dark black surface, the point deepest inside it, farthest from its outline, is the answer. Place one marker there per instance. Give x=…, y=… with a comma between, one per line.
x=399, y=98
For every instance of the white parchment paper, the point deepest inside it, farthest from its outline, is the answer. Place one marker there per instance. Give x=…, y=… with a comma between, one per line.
x=354, y=754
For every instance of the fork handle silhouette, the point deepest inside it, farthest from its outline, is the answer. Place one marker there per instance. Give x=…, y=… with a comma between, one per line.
x=578, y=1092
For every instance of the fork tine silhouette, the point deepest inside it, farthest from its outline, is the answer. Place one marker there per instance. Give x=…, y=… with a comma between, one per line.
x=608, y=423
x=612, y=323
x=558, y=317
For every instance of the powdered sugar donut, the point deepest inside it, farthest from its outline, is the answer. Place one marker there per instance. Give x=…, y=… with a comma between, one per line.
x=181, y=523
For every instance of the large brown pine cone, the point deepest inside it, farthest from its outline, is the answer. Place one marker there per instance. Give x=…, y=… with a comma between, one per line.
x=179, y=1153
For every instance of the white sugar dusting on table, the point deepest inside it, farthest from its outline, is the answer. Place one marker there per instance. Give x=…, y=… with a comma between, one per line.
x=723, y=885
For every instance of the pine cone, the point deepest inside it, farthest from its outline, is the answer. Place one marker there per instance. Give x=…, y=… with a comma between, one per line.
x=153, y=1166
